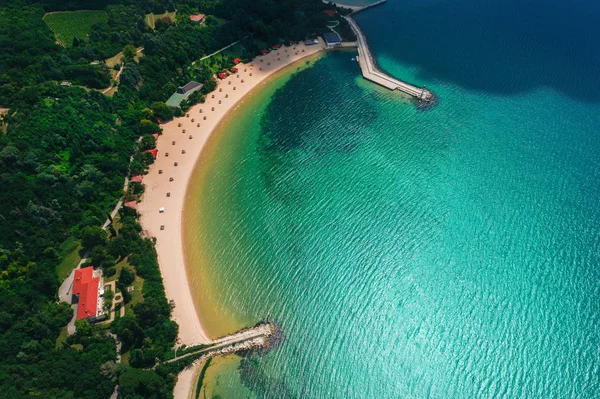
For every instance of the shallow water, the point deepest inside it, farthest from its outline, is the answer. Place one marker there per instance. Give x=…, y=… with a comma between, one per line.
x=406, y=253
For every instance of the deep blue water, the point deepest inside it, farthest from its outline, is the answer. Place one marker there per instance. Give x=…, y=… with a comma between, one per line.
x=448, y=253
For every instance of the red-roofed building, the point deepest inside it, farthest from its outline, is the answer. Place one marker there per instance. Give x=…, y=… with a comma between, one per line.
x=197, y=17
x=154, y=152
x=331, y=13
x=292, y=42
x=131, y=204
x=276, y=46
x=264, y=51
x=222, y=75
x=234, y=70
x=85, y=292
x=159, y=120
x=155, y=135
x=137, y=179
x=236, y=60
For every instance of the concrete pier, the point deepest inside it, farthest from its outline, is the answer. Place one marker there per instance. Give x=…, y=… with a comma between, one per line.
x=369, y=68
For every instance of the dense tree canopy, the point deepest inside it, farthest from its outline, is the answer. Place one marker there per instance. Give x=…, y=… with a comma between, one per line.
x=63, y=161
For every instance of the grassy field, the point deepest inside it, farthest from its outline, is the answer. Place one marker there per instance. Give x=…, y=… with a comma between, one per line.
x=220, y=59
x=71, y=24
x=151, y=18
x=69, y=251
x=62, y=337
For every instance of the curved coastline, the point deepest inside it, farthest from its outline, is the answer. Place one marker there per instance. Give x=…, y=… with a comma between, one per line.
x=189, y=134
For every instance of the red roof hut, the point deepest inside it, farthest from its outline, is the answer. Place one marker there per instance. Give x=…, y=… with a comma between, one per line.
x=154, y=152
x=331, y=13
x=85, y=291
x=137, y=179
x=236, y=60
x=131, y=204
x=222, y=75
x=197, y=17
x=234, y=70
x=155, y=135
x=276, y=46
x=264, y=51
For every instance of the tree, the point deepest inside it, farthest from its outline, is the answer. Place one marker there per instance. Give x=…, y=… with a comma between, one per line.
x=118, y=247
x=147, y=142
x=162, y=110
x=98, y=255
x=130, y=76
x=126, y=277
x=147, y=126
x=84, y=328
x=91, y=236
x=129, y=52
x=135, y=383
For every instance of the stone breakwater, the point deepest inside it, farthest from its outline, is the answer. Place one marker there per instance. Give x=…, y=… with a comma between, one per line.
x=246, y=339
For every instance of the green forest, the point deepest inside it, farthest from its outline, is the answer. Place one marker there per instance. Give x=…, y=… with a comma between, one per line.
x=64, y=154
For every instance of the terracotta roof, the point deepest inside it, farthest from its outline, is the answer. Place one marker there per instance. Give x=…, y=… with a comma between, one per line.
x=137, y=179
x=197, y=17
x=234, y=69
x=276, y=46
x=86, y=287
x=236, y=60
x=155, y=135
x=264, y=51
x=222, y=75
x=131, y=204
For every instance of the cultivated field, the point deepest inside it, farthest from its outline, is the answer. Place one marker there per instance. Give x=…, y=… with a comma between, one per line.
x=152, y=18
x=71, y=24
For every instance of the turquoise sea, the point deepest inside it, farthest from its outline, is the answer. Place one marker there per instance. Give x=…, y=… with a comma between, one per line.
x=408, y=253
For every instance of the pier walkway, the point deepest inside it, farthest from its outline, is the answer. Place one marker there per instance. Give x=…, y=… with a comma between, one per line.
x=255, y=337
x=369, y=68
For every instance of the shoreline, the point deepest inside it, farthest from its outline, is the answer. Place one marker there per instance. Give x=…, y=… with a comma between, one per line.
x=169, y=241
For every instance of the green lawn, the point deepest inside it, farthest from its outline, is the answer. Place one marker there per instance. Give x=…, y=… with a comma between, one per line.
x=222, y=60
x=69, y=251
x=62, y=337
x=125, y=357
x=136, y=294
x=71, y=24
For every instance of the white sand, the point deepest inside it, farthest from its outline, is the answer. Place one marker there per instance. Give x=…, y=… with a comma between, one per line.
x=185, y=387
x=169, y=243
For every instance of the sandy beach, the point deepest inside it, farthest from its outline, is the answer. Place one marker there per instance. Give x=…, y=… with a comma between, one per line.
x=180, y=147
